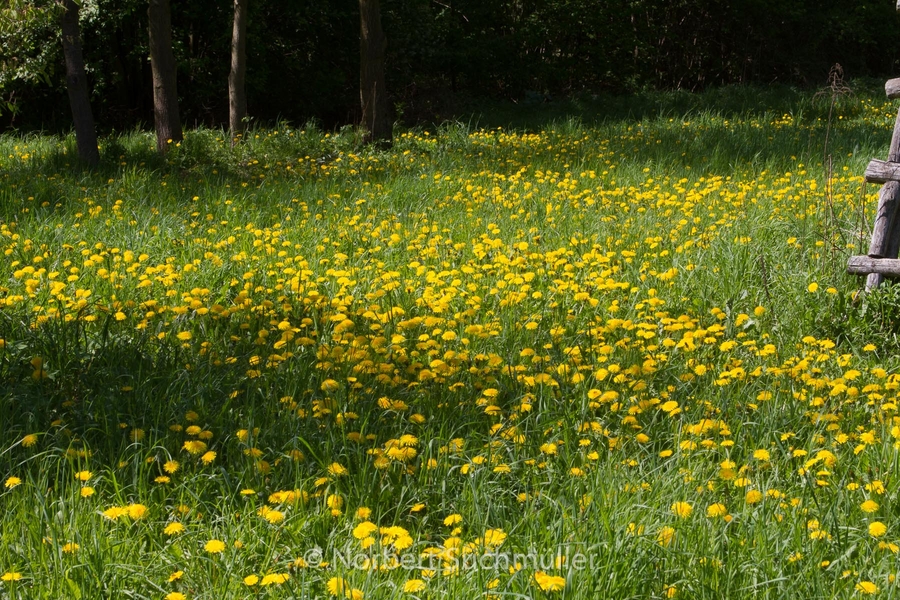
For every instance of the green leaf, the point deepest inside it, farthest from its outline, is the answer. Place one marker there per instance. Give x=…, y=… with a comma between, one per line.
x=74, y=589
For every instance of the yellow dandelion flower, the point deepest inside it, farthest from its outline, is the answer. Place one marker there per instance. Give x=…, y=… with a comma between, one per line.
x=214, y=546
x=114, y=512
x=330, y=385
x=866, y=587
x=174, y=528
x=87, y=491
x=452, y=520
x=682, y=509
x=402, y=454
x=364, y=530
x=716, y=510
x=12, y=482
x=70, y=548
x=136, y=511
x=83, y=475
x=194, y=446
x=549, y=583
x=665, y=536
x=274, y=516
x=337, y=586
x=493, y=538
x=29, y=440
x=877, y=529
x=869, y=506
x=208, y=457
x=753, y=496
x=334, y=502
x=251, y=580
x=337, y=469
x=274, y=579
x=413, y=585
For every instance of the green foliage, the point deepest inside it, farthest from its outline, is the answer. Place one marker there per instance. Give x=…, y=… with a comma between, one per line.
x=26, y=59
x=873, y=319
x=303, y=57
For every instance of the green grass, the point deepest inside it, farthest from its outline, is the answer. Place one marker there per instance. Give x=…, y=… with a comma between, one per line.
x=557, y=331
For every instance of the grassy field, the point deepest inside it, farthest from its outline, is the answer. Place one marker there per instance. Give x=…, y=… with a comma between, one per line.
x=603, y=357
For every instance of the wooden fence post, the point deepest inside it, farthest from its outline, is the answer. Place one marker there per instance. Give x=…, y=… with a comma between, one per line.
x=885, y=240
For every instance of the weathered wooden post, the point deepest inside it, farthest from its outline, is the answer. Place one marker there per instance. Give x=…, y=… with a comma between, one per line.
x=885, y=242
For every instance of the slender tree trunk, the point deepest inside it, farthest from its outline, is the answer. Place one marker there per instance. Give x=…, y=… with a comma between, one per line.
x=76, y=85
x=237, y=94
x=372, y=94
x=162, y=62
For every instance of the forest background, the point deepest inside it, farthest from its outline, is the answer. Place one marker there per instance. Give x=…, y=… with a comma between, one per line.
x=442, y=56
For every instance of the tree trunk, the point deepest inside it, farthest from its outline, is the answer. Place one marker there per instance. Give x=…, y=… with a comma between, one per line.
x=372, y=94
x=237, y=95
x=76, y=85
x=162, y=62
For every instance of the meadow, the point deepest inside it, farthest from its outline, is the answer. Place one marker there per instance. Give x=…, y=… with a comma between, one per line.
x=612, y=356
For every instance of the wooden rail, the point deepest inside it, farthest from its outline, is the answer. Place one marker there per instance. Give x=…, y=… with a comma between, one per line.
x=863, y=265
x=882, y=171
x=885, y=242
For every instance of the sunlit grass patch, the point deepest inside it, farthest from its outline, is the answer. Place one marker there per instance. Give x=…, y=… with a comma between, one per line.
x=611, y=360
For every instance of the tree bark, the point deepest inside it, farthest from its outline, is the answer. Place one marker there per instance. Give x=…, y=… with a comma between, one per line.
x=162, y=62
x=237, y=95
x=76, y=85
x=372, y=94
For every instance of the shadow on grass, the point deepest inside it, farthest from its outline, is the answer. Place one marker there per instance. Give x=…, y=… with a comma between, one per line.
x=47, y=169
x=97, y=382
x=536, y=112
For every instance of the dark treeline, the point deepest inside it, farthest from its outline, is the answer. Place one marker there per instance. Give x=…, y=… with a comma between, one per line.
x=303, y=57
